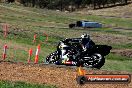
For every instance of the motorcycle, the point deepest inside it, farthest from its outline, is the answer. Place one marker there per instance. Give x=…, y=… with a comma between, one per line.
x=70, y=52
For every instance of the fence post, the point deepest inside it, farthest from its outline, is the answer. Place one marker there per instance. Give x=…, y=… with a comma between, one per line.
x=46, y=37
x=30, y=55
x=37, y=54
x=35, y=36
x=5, y=29
x=4, y=52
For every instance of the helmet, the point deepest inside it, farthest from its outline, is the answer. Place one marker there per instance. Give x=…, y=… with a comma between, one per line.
x=85, y=36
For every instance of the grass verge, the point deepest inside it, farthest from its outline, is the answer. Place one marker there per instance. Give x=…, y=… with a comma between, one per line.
x=118, y=63
x=9, y=84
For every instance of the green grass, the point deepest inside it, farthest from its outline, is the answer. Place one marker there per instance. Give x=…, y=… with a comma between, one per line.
x=20, y=14
x=9, y=84
x=113, y=31
x=118, y=57
x=122, y=46
x=117, y=62
x=41, y=20
x=116, y=65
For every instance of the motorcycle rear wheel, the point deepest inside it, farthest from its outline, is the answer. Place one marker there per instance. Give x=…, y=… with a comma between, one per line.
x=95, y=61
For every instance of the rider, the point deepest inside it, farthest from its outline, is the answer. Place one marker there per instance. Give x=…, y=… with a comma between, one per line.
x=86, y=42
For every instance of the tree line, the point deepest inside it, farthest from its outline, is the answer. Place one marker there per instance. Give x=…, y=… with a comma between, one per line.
x=72, y=4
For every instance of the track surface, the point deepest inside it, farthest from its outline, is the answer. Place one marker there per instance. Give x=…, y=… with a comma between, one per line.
x=62, y=77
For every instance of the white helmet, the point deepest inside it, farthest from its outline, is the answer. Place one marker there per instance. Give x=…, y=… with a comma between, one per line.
x=85, y=36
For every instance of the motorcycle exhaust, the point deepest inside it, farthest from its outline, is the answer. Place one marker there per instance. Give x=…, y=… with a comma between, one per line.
x=87, y=58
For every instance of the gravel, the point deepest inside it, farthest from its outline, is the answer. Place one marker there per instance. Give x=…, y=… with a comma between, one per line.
x=62, y=77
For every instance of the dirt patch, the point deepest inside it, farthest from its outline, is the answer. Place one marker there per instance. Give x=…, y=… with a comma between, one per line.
x=128, y=14
x=62, y=77
x=111, y=38
x=123, y=52
x=118, y=11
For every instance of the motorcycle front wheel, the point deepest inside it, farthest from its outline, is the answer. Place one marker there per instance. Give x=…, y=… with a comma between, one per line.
x=52, y=58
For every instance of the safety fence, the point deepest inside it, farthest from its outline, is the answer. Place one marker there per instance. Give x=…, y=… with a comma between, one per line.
x=13, y=51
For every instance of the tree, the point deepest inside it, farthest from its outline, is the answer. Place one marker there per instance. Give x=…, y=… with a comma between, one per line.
x=78, y=3
x=10, y=1
x=33, y=3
